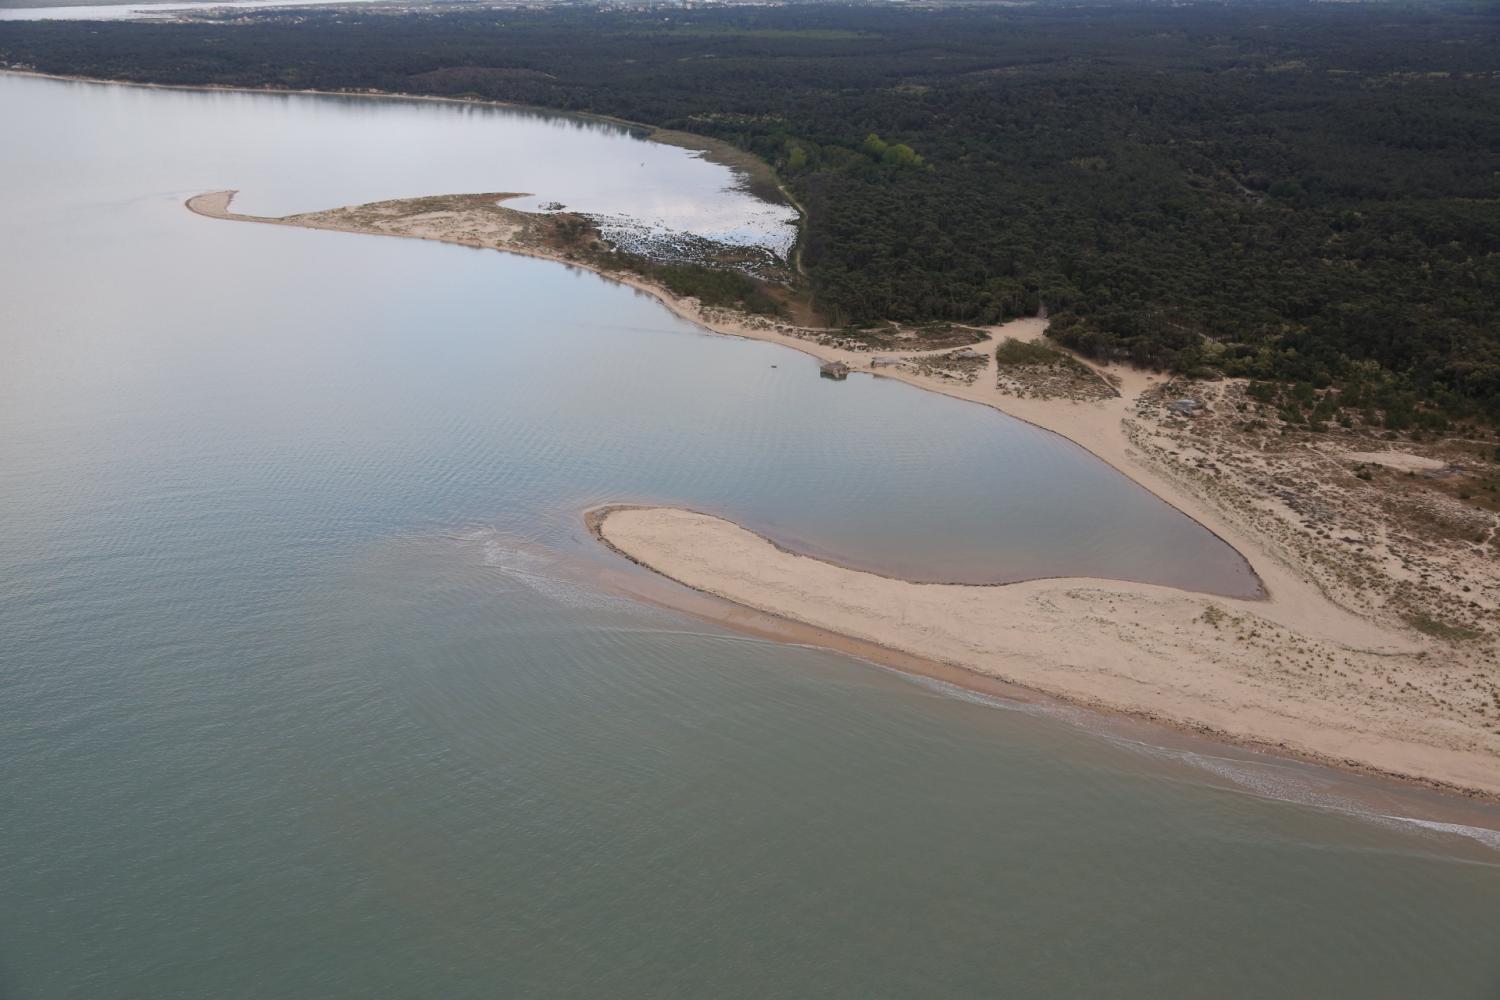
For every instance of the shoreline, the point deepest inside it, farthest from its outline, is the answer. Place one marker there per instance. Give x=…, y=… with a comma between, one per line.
x=1297, y=603
x=1111, y=431
x=1048, y=419
x=1090, y=426
x=664, y=591
x=215, y=205
x=735, y=584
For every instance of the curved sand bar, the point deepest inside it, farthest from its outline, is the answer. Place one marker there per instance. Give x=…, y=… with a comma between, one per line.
x=1280, y=673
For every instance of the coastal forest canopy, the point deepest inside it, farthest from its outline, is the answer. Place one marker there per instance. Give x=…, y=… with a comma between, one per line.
x=1296, y=192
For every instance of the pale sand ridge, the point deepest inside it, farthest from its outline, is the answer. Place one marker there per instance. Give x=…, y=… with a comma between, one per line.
x=1238, y=668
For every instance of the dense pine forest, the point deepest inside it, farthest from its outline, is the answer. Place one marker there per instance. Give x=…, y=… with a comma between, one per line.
x=1297, y=192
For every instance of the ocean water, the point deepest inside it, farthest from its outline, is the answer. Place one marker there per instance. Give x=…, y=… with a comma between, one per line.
x=309, y=684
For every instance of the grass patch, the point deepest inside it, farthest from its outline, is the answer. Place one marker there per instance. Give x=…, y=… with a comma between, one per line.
x=1439, y=629
x=1213, y=615
x=1024, y=352
x=711, y=286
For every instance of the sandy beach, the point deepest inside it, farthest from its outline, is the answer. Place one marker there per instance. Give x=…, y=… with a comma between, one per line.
x=1279, y=673
x=1326, y=666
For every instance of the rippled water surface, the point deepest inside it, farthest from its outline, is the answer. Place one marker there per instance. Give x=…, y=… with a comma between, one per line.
x=305, y=694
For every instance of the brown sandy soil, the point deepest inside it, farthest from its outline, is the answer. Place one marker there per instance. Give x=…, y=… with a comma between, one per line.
x=1376, y=648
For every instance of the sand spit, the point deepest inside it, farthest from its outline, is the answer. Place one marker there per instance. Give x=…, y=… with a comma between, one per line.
x=1279, y=673
x=471, y=220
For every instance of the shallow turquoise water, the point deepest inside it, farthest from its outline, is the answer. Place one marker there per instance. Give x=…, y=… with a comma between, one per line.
x=303, y=696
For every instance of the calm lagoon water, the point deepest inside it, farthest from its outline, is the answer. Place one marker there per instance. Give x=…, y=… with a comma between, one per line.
x=304, y=694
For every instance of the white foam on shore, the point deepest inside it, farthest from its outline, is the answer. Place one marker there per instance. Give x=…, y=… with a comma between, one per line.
x=1300, y=789
x=1282, y=781
x=526, y=564
x=1294, y=783
x=1484, y=835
